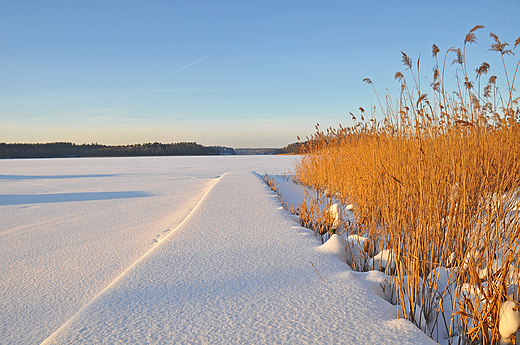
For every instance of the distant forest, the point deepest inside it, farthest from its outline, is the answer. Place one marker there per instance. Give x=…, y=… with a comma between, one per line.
x=66, y=149
x=294, y=148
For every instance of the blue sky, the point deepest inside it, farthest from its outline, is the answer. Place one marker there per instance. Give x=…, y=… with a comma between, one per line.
x=261, y=72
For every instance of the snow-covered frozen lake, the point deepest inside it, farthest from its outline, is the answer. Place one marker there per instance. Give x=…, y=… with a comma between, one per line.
x=172, y=250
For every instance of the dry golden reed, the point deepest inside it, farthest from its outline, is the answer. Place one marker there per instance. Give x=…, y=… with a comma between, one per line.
x=436, y=182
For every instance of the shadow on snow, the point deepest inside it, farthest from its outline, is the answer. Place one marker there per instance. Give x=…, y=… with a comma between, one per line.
x=22, y=199
x=35, y=177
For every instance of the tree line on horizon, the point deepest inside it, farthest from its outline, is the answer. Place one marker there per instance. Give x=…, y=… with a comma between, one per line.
x=68, y=149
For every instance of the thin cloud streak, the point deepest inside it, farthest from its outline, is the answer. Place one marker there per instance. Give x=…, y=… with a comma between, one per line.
x=158, y=80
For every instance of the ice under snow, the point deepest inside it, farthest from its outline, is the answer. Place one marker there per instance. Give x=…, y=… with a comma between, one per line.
x=175, y=250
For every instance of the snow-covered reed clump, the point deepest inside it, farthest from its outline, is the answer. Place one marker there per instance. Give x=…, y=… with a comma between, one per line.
x=435, y=187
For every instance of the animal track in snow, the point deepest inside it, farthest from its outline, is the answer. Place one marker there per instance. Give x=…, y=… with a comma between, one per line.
x=161, y=236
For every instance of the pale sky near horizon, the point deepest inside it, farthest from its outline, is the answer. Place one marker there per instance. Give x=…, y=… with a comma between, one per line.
x=231, y=73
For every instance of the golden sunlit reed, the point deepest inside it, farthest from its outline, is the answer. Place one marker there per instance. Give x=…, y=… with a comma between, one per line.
x=436, y=182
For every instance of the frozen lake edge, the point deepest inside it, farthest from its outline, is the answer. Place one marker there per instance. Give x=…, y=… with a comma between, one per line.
x=260, y=288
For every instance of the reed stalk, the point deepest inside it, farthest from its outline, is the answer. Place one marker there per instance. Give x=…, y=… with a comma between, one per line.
x=437, y=182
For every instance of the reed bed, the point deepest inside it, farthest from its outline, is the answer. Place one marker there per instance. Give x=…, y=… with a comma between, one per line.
x=436, y=184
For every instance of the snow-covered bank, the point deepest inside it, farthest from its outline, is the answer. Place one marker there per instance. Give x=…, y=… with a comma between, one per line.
x=239, y=271
x=70, y=226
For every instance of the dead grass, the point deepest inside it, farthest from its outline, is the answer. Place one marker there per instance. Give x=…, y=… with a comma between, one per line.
x=434, y=181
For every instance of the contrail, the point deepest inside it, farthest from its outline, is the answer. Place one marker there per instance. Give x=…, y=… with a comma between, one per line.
x=166, y=76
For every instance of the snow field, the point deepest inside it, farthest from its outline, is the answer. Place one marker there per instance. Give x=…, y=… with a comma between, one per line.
x=239, y=271
x=104, y=268
x=71, y=226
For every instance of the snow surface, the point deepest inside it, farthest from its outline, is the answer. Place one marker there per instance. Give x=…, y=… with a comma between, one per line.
x=178, y=250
